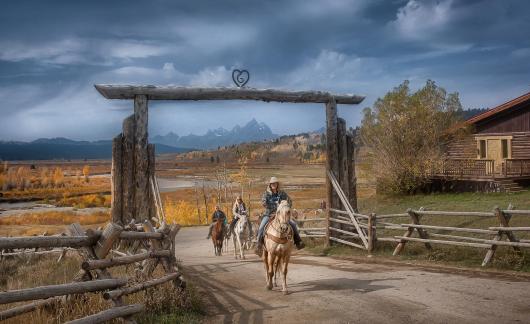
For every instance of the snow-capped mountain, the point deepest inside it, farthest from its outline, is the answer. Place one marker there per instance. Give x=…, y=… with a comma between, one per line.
x=252, y=131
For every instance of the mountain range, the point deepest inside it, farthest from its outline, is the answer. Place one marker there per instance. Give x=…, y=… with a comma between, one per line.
x=67, y=149
x=251, y=132
x=63, y=148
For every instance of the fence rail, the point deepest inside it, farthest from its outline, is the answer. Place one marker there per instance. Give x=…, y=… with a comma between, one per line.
x=94, y=246
x=492, y=236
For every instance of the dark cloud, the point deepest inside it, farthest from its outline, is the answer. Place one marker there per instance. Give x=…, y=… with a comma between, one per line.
x=52, y=52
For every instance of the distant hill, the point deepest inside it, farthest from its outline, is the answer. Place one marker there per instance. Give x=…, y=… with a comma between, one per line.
x=253, y=131
x=67, y=149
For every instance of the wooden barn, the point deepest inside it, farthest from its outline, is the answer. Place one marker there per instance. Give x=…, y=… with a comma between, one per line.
x=496, y=156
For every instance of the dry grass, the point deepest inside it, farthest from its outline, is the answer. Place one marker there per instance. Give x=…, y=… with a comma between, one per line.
x=160, y=301
x=55, y=218
x=51, y=222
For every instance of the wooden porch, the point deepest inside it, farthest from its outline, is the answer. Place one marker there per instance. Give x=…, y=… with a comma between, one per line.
x=483, y=169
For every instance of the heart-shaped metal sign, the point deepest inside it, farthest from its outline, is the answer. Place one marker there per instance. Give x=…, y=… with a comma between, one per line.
x=240, y=77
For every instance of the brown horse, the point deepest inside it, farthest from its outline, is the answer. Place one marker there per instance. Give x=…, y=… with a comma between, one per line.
x=218, y=236
x=278, y=245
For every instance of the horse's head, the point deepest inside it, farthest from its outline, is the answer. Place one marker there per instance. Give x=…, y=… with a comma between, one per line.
x=283, y=215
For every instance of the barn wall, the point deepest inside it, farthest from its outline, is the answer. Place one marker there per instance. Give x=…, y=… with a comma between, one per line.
x=465, y=148
x=521, y=146
x=517, y=120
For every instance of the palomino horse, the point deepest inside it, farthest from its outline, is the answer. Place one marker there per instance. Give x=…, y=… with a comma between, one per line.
x=278, y=245
x=218, y=236
x=241, y=236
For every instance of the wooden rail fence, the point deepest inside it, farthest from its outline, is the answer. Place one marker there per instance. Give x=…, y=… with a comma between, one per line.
x=489, y=238
x=140, y=244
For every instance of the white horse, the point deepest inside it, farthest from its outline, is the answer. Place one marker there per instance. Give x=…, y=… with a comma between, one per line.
x=241, y=236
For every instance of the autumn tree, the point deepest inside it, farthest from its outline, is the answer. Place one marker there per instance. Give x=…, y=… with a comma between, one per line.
x=406, y=132
x=86, y=172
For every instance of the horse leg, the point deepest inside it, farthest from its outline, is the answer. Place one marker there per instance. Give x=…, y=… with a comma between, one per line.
x=235, y=245
x=284, y=274
x=240, y=246
x=277, y=266
x=265, y=258
x=270, y=269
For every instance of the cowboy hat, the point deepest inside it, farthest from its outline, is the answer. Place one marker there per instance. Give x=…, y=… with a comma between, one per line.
x=273, y=180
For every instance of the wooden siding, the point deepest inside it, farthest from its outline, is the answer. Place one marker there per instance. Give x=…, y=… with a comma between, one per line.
x=465, y=148
x=521, y=146
x=515, y=120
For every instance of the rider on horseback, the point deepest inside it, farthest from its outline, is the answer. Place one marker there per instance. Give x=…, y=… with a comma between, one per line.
x=239, y=209
x=270, y=200
x=217, y=214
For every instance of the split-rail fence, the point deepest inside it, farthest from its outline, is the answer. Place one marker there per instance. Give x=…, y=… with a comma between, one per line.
x=140, y=244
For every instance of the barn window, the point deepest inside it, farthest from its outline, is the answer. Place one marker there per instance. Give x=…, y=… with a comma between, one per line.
x=482, y=149
x=504, y=147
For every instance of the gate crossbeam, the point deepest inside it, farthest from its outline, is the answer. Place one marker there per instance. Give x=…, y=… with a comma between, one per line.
x=152, y=92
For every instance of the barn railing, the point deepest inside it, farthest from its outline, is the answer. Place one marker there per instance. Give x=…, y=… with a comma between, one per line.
x=466, y=167
x=516, y=167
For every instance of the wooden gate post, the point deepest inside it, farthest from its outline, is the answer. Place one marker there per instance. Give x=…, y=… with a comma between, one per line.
x=128, y=170
x=141, y=158
x=332, y=162
x=352, y=179
x=116, y=177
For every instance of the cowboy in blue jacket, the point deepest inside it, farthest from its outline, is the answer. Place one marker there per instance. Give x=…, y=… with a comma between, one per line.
x=217, y=214
x=270, y=200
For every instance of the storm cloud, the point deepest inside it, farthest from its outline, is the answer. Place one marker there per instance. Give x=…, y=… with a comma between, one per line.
x=52, y=52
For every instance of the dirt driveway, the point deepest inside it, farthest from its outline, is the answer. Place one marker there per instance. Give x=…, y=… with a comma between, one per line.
x=327, y=290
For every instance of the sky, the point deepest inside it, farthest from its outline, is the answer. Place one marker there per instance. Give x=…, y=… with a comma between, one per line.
x=53, y=52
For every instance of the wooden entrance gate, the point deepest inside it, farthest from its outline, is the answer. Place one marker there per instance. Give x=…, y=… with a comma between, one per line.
x=134, y=188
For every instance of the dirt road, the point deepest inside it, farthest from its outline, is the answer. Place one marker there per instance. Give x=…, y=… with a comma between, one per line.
x=327, y=290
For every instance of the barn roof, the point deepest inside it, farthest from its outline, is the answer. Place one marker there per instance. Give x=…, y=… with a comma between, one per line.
x=501, y=108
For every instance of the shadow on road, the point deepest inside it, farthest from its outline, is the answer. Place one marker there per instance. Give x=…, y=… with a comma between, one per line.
x=229, y=304
x=356, y=285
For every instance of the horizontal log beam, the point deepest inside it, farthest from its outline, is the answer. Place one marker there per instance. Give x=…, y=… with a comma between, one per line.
x=343, y=232
x=414, y=239
x=452, y=213
x=454, y=229
x=114, y=262
x=32, y=242
x=343, y=212
x=131, y=235
x=335, y=220
x=347, y=243
x=392, y=215
x=509, y=229
x=19, y=310
x=517, y=212
x=43, y=292
x=482, y=244
x=388, y=239
x=109, y=314
x=189, y=93
x=113, y=294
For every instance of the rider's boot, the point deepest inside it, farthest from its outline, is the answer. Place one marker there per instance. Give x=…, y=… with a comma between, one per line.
x=298, y=242
x=259, y=247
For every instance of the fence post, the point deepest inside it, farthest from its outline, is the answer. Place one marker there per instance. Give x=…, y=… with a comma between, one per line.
x=372, y=237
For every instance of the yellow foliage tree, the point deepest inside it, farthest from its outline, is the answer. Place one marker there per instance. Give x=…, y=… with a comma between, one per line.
x=86, y=172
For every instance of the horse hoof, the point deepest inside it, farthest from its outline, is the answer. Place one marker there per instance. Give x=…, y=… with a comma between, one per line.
x=269, y=287
x=285, y=292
